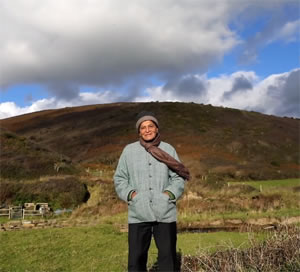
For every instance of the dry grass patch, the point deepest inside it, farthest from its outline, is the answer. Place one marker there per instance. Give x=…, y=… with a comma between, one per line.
x=280, y=252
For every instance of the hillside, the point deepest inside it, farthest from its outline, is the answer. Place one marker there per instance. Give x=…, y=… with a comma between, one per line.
x=212, y=141
x=22, y=158
x=24, y=163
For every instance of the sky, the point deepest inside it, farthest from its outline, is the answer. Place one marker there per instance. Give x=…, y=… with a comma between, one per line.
x=233, y=53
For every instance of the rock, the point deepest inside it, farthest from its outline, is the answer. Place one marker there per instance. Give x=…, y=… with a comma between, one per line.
x=217, y=223
x=28, y=224
x=233, y=221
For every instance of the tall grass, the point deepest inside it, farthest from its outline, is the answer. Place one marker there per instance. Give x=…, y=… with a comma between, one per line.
x=240, y=200
x=280, y=252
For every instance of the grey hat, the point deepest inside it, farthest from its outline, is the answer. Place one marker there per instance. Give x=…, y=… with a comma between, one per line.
x=145, y=116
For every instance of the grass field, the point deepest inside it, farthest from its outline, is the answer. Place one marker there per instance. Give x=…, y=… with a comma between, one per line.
x=271, y=184
x=100, y=248
x=273, y=199
x=243, y=216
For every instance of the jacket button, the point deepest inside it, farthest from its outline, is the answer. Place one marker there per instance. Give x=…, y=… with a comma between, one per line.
x=150, y=189
x=149, y=163
x=150, y=176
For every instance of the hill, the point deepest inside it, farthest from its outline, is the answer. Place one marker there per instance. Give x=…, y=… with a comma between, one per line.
x=33, y=173
x=214, y=142
x=22, y=158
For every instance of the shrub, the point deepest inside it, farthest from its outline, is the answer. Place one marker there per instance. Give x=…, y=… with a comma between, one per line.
x=58, y=192
x=279, y=252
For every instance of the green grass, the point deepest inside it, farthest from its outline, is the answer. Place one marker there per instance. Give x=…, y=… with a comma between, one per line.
x=71, y=249
x=100, y=248
x=104, y=247
x=193, y=243
x=271, y=184
x=242, y=215
x=4, y=219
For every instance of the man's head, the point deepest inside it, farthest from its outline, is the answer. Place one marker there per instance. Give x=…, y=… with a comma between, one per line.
x=147, y=125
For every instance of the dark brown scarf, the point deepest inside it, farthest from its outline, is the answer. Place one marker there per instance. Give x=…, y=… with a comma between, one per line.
x=156, y=152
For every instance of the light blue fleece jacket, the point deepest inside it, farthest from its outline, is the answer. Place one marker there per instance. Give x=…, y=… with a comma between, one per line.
x=138, y=170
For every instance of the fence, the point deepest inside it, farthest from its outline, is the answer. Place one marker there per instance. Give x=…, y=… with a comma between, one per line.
x=13, y=212
x=32, y=213
x=5, y=212
x=17, y=212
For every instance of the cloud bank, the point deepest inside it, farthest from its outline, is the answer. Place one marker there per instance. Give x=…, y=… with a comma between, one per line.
x=127, y=47
x=105, y=43
x=275, y=95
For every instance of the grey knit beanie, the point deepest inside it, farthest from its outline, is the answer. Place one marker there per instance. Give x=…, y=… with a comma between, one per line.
x=145, y=116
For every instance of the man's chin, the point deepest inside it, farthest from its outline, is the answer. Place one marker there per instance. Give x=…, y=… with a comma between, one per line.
x=148, y=139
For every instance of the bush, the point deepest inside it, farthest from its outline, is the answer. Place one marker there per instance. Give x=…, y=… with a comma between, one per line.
x=58, y=192
x=280, y=252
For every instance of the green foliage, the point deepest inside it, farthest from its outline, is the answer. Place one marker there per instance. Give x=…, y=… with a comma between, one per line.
x=58, y=192
x=9, y=135
x=23, y=159
x=275, y=163
x=31, y=167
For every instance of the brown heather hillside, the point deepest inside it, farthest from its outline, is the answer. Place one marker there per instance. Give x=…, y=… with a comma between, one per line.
x=214, y=142
x=21, y=158
x=33, y=173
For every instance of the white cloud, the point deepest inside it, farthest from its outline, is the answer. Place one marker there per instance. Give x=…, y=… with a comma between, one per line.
x=289, y=31
x=98, y=43
x=79, y=42
x=113, y=44
x=277, y=94
x=9, y=109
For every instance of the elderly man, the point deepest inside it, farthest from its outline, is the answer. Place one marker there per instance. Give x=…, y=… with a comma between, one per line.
x=150, y=178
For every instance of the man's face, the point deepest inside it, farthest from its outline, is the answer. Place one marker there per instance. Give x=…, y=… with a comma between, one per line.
x=148, y=130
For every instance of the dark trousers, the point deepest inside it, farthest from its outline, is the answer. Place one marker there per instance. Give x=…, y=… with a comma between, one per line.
x=139, y=239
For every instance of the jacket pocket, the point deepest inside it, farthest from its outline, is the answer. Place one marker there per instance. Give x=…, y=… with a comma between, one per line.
x=163, y=207
x=139, y=208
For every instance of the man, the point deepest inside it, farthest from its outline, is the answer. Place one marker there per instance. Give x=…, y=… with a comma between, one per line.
x=150, y=178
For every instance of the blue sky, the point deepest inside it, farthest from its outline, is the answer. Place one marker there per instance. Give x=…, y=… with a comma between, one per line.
x=232, y=53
